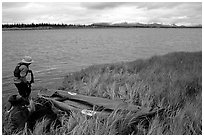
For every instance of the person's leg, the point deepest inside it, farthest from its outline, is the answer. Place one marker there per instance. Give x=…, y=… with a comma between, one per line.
x=28, y=91
x=21, y=89
x=24, y=89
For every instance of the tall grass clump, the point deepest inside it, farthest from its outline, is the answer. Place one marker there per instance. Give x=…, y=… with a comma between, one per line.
x=171, y=82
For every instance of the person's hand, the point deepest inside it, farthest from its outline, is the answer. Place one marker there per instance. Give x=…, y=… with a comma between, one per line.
x=32, y=81
x=30, y=71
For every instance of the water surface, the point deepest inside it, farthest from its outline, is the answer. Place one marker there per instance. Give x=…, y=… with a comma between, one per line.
x=58, y=52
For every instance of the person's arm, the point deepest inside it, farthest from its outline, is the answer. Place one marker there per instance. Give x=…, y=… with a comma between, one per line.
x=23, y=73
x=32, y=76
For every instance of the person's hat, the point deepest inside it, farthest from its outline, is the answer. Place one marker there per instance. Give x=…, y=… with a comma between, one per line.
x=13, y=99
x=17, y=100
x=27, y=59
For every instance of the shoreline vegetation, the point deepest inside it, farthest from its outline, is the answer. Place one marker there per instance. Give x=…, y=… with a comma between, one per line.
x=172, y=82
x=47, y=26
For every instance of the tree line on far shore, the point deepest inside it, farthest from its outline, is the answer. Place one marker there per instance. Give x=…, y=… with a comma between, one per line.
x=33, y=25
x=94, y=25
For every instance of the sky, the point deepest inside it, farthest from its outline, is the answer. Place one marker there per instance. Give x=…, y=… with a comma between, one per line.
x=179, y=13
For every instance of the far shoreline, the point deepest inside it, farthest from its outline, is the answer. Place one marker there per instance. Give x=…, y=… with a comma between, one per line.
x=59, y=28
x=95, y=27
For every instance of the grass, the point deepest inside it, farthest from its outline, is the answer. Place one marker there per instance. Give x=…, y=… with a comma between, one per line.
x=172, y=81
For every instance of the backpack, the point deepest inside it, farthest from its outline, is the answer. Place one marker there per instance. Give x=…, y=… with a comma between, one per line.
x=17, y=70
x=17, y=118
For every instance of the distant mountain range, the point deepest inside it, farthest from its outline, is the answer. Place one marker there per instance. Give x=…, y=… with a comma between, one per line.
x=142, y=25
x=32, y=26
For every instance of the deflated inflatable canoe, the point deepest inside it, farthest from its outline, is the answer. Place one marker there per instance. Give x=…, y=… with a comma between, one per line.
x=66, y=107
x=69, y=101
x=87, y=101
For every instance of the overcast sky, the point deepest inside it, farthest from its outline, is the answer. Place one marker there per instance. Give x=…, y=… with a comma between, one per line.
x=186, y=13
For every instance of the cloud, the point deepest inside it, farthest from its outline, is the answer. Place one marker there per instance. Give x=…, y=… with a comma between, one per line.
x=92, y=12
x=158, y=5
x=10, y=5
x=40, y=12
x=102, y=5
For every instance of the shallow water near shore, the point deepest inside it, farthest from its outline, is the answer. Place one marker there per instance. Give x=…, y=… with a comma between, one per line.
x=58, y=52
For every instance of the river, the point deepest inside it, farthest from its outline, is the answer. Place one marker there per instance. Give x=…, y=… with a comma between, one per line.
x=58, y=52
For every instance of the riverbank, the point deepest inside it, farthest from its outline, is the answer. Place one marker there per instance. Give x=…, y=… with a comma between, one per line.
x=172, y=81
